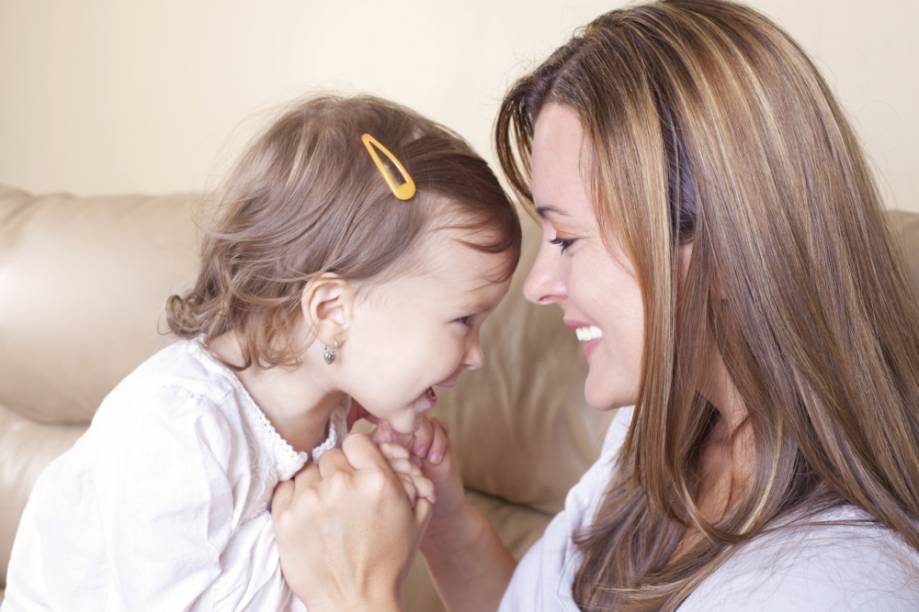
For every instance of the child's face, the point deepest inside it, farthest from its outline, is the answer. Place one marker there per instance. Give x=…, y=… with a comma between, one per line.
x=420, y=331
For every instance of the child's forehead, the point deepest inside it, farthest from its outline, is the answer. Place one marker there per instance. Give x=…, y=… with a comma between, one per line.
x=451, y=262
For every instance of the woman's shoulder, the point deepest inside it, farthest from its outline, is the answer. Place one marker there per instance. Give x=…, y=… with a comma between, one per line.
x=836, y=560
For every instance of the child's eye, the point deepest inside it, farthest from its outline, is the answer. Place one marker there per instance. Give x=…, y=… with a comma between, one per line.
x=565, y=243
x=465, y=321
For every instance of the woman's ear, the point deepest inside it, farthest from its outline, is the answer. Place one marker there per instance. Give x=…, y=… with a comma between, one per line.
x=326, y=304
x=683, y=257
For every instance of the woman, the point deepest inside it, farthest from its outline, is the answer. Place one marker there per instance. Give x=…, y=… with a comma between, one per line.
x=712, y=228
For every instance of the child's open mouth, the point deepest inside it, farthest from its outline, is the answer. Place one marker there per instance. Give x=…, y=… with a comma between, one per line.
x=427, y=400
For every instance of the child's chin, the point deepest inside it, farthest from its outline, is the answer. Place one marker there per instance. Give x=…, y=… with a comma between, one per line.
x=405, y=424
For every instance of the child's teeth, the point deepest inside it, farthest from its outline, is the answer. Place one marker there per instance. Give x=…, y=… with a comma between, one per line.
x=586, y=334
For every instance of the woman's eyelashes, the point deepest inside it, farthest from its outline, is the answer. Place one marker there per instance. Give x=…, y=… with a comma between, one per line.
x=563, y=243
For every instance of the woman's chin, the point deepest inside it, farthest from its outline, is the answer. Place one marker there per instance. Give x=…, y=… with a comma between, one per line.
x=603, y=399
x=597, y=404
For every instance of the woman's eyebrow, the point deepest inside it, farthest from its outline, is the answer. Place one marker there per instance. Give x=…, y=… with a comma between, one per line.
x=542, y=210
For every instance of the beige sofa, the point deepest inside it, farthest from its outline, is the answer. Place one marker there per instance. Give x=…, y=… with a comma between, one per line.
x=82, y=284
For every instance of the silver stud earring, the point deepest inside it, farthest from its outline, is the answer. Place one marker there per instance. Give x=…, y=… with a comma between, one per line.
x=328, y=355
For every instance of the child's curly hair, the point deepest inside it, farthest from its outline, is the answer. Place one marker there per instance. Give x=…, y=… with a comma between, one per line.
x=306, y=199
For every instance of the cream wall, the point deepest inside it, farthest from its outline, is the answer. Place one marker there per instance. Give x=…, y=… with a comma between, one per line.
x=160, y=95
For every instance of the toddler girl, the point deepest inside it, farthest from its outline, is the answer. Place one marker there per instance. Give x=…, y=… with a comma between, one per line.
x=357, y=249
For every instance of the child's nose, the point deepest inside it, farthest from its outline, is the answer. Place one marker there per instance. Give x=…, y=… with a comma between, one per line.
x=474, y=358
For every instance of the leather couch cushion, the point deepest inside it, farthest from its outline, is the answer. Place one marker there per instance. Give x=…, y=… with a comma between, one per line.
x=84, y=281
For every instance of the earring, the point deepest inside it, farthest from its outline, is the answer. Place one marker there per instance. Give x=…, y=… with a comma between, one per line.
x=328, y=355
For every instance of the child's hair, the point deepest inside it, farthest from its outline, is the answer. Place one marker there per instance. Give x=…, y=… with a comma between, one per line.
x=306, y=199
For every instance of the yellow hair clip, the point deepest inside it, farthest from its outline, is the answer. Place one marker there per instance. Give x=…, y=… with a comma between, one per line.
x=404, y=191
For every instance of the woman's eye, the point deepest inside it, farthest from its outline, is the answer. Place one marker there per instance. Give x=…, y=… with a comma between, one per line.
x=466, y=321
x=564, y=243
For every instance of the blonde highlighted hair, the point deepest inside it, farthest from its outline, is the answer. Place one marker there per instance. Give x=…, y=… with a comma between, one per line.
x=306, y=199
x=708, y=124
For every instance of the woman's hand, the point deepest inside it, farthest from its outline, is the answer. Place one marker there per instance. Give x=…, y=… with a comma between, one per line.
x=467, y=560
x=429, y=448
x=346, y=531
x=415, y=484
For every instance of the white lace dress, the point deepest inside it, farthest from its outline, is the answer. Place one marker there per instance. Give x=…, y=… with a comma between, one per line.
x=163, y=504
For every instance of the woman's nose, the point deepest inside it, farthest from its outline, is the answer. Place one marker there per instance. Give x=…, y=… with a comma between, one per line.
x=543, y=284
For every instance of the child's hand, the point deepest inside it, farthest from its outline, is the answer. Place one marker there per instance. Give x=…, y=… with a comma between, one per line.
x=429, y=448
x=413, y=481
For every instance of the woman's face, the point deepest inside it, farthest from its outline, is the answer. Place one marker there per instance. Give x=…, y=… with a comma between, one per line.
x=596, y=289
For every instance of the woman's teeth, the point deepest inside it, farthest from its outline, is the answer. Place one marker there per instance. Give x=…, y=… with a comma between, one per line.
x=586, y=334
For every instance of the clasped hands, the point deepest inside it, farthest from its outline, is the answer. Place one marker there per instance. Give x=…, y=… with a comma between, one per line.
x=349, y=525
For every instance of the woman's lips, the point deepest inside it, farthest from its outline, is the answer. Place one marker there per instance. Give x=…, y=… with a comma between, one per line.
x=589, y=335
x=589, y=347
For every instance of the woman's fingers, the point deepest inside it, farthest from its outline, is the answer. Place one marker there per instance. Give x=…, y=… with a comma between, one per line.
x=336, y=540
x=282, y=497
x=333, y=461
x=423, y=437
x=439, y=443
x=393, y=451
x=363, y=454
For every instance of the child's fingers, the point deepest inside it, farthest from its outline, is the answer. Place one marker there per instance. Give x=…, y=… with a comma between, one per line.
x=385, y=434
x=404, y=467
x=393, y=451
x=439, y=443
x=382, y=434
x=425, y=489
x=423, y=513
x=424, y=435
x=408, y=483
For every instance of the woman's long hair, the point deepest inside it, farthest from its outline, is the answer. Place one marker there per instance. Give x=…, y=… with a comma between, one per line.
x=708, y=125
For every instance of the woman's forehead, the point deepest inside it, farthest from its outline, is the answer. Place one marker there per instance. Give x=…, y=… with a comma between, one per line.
x=557, y=169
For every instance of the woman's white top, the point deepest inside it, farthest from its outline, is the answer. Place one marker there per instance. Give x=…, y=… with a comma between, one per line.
x=163, y=504
x=806, y=568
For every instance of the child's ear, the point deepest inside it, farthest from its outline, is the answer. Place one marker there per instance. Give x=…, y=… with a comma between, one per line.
x=326, y=304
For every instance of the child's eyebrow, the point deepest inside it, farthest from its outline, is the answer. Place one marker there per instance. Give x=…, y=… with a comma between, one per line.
x=481, y=306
